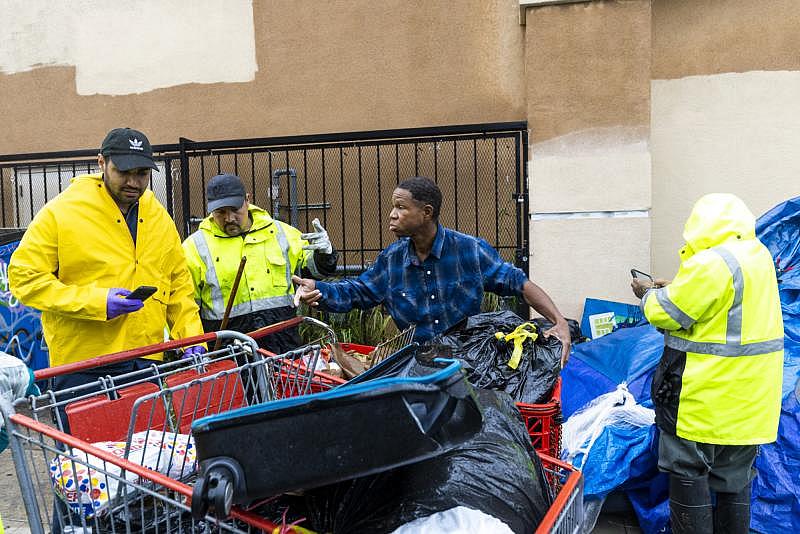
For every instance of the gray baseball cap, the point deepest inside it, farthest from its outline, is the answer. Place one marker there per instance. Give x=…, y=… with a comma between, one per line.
x=225, y=191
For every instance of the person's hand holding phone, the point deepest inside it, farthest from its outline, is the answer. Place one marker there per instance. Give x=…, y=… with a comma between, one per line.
x=118, y=303
x=640, y=282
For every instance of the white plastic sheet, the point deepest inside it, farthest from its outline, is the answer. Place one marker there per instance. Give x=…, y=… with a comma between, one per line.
x=458, y=520
x=582, y=429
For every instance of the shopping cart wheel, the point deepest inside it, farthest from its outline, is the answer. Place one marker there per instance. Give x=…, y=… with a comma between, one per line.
x=199, y=503
x=220, y=492
x=213, y=490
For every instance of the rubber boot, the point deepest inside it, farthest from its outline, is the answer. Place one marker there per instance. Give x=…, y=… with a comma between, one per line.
x=690, y=510
x=732, y=514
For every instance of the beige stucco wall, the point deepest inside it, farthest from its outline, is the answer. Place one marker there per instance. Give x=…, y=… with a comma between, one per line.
x=725, y=110
x=321, y=67
x=631, y=104
x=588, y=98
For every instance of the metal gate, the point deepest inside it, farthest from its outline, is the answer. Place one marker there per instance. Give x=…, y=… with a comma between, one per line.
x=346, y=180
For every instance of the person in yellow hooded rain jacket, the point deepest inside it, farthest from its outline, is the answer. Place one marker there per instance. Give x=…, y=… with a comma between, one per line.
x=87, y=248
x=274, y=251
x=717, y=388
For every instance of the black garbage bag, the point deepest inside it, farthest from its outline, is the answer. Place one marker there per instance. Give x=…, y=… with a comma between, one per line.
x=496, y=472
x=487, y=357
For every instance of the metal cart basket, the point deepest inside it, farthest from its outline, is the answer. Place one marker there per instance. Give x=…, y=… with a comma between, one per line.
x=139, y=475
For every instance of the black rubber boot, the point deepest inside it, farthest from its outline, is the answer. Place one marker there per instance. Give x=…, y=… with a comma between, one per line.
x=732, y=514
x=690, y=509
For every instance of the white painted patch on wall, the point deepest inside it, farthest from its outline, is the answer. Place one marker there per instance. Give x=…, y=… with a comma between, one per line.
x=599, y=169
x=120, y=48
x=634, y=214
x=736, y=132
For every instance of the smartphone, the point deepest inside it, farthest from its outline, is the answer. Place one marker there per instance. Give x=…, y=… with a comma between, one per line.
x=142, y=292
x=639, y=274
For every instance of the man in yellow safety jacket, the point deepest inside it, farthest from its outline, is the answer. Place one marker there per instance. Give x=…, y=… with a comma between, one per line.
x=717, y=389
x=274, y=251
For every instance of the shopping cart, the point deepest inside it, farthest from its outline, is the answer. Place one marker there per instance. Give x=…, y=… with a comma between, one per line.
x=148, y=413
x=565, y=515
x=138, y=475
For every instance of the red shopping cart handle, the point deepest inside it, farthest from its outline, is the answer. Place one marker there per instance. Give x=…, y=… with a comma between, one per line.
x=277, y=327
x=122, y=356
x=131, y=354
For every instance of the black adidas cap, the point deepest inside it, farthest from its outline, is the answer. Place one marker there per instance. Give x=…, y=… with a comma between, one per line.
x=128, y=149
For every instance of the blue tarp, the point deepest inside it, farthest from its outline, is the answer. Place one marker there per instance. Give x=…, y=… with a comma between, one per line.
x=20, y=326
x=624, y=458
x=776, y=490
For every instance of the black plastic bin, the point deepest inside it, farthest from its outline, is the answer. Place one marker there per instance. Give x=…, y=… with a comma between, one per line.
x=315, y=440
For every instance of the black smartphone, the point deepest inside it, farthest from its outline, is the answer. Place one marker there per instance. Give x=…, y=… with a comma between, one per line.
x=142, y=292
x=639, y=274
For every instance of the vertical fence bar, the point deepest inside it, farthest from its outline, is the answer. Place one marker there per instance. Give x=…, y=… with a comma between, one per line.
x=380, y=200
x=187, y=224
x=16, y=195
x=455, y=182
x=344, y=212
x=305, y=188
x=521, y=209
x=396, y=164
x=324, y=192
x=44, y=179
x=30, y=190
x=416, y=159
x=496, y=200
x=475, y=181
x=361, y=207
x=436, y=160
x=168, y=187
x=253, y=175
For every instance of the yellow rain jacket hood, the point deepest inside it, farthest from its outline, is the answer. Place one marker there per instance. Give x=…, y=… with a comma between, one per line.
x=77, y=247
x=719, y=380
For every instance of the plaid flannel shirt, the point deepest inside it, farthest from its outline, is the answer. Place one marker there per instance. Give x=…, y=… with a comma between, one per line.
x=434, y=294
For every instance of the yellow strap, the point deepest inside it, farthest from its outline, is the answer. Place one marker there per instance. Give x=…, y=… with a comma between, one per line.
x=295, y=528
x=518, y=336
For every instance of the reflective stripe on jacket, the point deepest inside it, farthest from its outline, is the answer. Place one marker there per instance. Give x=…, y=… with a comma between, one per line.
x=723, y=312
x=274, y=251
x=77, y=247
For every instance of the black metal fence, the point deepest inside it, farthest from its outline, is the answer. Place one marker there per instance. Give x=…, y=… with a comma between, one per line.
x=345, y=180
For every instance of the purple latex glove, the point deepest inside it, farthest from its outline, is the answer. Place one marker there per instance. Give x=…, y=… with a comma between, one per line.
x=117, y=305
x=191, y=352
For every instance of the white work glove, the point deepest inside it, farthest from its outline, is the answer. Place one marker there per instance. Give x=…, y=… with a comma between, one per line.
x=318, y=240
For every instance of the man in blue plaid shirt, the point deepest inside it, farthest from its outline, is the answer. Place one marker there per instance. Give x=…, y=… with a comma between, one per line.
x=431, y=276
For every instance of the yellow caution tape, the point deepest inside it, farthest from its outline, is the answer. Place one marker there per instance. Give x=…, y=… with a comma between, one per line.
x=518, y=336
x=293, y=528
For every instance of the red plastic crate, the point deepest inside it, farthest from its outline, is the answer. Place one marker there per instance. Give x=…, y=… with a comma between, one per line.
x=543, y=422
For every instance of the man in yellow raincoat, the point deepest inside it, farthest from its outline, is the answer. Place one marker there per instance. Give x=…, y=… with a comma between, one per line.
x=86, y=249
x=717, y=389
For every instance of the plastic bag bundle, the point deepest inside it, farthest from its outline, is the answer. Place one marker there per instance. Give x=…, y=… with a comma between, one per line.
x=487, y=343
x=583, y=428
x=16, y=381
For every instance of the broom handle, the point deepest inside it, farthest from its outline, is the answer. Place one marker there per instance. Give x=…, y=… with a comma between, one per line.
x=232, y=296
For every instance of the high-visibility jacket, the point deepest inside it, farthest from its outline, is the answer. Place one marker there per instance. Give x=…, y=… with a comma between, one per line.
x=274, y=251
x=77, y=247
x=719, y=380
